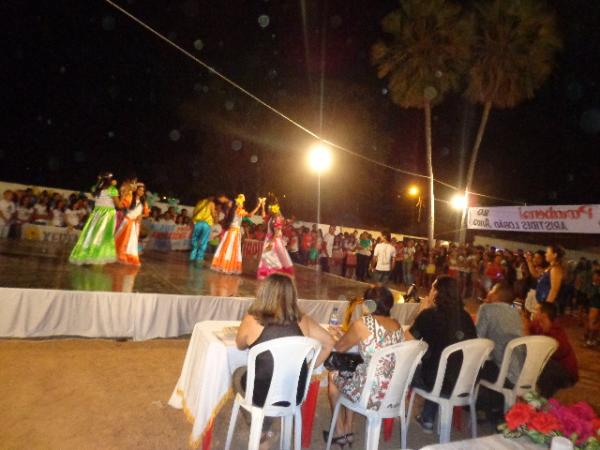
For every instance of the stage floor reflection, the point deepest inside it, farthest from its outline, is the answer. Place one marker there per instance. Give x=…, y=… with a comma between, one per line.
x=37, y=266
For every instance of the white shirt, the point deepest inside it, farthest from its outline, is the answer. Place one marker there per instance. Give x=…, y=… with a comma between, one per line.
x=24, y=214
x=40, y=210
x=57, y=218
x=384, y=252
x=409, y=253
x=329, y=238
x=73, y=216
x=7, y=209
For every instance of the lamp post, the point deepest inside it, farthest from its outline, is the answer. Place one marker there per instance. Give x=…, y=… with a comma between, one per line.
x=319, y=161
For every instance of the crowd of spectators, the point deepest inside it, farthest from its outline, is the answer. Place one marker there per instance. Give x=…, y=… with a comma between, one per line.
x=24, y=206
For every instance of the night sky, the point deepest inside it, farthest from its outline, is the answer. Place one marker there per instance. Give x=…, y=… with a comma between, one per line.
x=89, y=90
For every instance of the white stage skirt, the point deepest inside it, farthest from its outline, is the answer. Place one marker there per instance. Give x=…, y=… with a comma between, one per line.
x=42, y=313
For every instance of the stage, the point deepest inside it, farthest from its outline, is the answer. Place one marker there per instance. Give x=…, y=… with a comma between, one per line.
x=42, y=295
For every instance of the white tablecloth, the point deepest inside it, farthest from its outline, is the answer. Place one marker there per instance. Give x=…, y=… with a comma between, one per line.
x=205, y=381
x=494, y=442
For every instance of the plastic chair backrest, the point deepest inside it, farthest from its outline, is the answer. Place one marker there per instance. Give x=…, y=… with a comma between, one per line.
x=405, y=358
x=539, y=350
x=288, y=355
x=475, y=352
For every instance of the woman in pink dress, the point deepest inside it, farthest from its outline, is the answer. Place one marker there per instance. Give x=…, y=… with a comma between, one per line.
x=275, y=258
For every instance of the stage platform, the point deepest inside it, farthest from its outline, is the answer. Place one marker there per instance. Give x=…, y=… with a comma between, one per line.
x=42, y=295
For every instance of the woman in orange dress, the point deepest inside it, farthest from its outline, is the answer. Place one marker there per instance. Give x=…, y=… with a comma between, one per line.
x=128, y=234
x=228, y=257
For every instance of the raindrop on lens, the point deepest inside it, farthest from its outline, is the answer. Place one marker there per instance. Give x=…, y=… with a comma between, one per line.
x=236, y=145
x=111, y=134
x=229, y=105
x=108, y=23
x=264, y=20
x=254, y=159
x=174, y=135
x=198, y=44
x=430, y=92
x=384, y=91
x=590, y=121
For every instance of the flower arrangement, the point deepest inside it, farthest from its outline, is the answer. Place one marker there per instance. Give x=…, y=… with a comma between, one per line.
x=542, y=419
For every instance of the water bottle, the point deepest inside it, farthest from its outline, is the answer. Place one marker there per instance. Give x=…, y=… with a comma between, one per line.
x=334, y=318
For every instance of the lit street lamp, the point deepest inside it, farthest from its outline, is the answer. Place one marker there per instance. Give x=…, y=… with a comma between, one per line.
x=459, y=202
x=415, y=192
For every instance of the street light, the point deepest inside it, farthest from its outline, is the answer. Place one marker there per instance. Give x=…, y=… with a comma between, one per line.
x=459, y=202
x=415, y=192
x=319, y=159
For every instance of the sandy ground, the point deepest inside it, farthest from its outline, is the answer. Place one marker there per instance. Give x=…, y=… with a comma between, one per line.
x=103, y=394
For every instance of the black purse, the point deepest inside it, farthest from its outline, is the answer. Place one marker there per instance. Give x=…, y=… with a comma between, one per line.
x=343, y=362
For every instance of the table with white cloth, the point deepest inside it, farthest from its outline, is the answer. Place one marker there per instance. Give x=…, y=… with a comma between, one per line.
x=205, y=383
x=493, y=442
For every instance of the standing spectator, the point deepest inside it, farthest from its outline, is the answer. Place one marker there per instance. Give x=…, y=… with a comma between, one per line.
x=561, y=371
x=397, y=275
x=293, y=246
x=383, y=259
x=549, y=284
x=363, y=254
x=7, y=213
x=594, y=304
x=326, y=251
x=305, y=244
x=350, y=254
x=408, y=261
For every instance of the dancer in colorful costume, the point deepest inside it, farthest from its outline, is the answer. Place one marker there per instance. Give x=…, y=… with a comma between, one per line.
x=205, y=215
x=275, y=258
x=128, y=233
x=228, y=257
x=96, y=243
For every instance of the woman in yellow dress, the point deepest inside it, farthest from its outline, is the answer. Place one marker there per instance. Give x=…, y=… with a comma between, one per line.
x=228, y=257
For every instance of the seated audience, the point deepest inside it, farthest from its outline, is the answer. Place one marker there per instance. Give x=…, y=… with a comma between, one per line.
x=375, y=330
x=443, y=323
x=499, y=321
x=275, y=314
x=562, y=369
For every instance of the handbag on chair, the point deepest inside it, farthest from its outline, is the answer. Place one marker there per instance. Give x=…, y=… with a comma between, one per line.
x=343, y=362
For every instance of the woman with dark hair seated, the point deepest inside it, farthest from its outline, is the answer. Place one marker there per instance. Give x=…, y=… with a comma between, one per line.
x=442, y=323
x=374, y=330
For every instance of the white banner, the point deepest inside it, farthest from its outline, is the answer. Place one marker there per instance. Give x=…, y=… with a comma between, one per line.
x=537, y=219
x=47, y=233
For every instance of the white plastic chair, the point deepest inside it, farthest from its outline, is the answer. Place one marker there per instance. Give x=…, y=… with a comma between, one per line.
x=475, y=352
x=539, y=351
x=407, y=356
x=288, y=355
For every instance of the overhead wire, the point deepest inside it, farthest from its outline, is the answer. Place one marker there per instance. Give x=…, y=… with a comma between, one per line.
x=281, y=114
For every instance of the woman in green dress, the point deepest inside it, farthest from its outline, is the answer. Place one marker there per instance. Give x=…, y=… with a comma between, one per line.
x=96, y=243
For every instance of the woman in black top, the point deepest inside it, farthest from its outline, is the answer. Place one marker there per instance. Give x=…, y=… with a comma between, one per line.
x=444, y=322
x=275, y=314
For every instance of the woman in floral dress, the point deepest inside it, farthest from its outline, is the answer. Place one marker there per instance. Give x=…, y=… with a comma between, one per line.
x=375, y=330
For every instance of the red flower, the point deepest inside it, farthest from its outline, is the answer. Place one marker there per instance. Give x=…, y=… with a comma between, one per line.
x=518, y=415
x=543, y=422
x=596, y=424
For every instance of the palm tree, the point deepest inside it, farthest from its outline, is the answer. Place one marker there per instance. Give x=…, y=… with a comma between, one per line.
x=424, y=55
x=513, y=55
